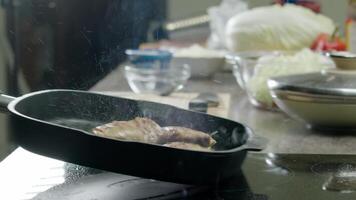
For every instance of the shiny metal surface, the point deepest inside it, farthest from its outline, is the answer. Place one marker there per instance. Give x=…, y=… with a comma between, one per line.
x=337, y=85
x=187, y=23
x=4, y=101
x=319, y=114
x=203, y=101
x=321, y=100
x=313, y=98
x=344, y=60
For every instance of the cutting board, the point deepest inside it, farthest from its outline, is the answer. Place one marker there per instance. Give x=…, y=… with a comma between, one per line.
x=180, y=100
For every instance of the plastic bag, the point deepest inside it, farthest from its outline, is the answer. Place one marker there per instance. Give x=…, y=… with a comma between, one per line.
x=219, y=15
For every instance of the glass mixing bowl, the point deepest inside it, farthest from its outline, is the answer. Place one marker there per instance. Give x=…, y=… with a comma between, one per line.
x=156, y=80
x=253, y=69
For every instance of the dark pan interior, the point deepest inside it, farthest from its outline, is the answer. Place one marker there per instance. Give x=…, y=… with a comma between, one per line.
x=84, y=111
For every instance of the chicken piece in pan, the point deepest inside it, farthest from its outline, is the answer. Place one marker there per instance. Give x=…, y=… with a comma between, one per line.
x=186, y=135
x=146, y=130
x=138, y=129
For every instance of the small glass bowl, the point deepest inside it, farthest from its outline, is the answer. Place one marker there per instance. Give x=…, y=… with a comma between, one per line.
x=157, y=80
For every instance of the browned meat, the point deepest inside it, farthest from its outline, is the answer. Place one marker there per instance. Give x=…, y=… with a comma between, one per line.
x=187, y=135
x=138, y=129
x=183, y=145
x=146, y=130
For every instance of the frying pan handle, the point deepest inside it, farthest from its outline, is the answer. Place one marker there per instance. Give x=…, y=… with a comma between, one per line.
x=256, y=143
x=4, y=101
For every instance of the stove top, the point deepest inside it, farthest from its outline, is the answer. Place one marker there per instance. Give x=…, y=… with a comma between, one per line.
x=24, y=175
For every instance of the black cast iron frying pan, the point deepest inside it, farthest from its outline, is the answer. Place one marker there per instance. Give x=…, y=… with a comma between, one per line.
x=58, y=124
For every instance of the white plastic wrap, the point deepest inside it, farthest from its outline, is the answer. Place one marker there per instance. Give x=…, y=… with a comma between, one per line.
x=219, y=15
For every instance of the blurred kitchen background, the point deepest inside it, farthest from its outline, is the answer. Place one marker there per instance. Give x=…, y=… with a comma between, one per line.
x=46, y=43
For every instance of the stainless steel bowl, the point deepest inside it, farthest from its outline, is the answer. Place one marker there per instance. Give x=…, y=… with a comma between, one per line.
x=344, y=60
x=321, y=100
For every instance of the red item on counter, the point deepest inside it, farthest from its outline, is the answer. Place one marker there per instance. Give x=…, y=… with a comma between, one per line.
x=325, y=42
x=312, y=5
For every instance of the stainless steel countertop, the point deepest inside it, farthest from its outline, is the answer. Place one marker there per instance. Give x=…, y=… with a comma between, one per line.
x=285, y=135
